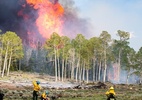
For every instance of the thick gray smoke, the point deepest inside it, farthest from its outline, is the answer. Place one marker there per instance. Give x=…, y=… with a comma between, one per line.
x=8, y=17
x=12, y=18
x=73, y=24
x=18, y=16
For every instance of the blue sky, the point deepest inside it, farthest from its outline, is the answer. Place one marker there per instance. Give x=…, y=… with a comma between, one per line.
x=113, y=15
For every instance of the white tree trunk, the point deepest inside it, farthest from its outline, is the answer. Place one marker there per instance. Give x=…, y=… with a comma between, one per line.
x=119, y=64
x=0, y=63
x=63, y=66
x=76, y=74
x=58, y=65
x=78, y=63
x=99, y=76
x=1, y=49
x=5, y=61
x=97, y=71
x=73, y=64
x=55, y=65
x=105, y=67
x=65, y=72
x=87, y=72
x=93, y=70
x=83, y=76
x=9, y=64
x=80, y=74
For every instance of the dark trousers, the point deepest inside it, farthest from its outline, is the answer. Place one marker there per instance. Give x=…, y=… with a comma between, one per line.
x=35, y=95
x=43, y=98
x=1, y=96
x=111, y=96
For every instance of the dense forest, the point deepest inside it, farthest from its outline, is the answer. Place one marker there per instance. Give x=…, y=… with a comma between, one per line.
x=96, y=59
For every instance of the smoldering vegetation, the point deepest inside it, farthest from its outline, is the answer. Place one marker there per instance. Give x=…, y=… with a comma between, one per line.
x=84, y=92
x=80, y=91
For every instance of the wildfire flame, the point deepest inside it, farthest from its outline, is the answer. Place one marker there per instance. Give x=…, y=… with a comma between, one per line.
x=49, y=18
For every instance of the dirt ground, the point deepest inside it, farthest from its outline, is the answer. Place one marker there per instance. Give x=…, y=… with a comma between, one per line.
x=17, y=80
x=24, y=79
x=18, y=86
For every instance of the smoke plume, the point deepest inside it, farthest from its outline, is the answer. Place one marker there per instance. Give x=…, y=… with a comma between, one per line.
x=35, y=20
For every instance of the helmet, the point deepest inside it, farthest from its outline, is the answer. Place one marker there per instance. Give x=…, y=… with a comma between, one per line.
x=46, y=92
x=111, y=88
x=38, y=82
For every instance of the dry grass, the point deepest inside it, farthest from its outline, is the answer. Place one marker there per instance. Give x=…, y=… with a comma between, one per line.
x=13, y=92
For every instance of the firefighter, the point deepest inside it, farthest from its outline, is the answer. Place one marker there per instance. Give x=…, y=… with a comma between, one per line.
x=110, y=93
x=37, y=88
x=44, y=96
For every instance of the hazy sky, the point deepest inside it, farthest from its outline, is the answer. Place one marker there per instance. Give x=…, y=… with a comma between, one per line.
x=113, y=15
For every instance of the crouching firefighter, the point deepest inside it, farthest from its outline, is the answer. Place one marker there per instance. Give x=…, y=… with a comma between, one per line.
x=110, y=94
x=45, y=96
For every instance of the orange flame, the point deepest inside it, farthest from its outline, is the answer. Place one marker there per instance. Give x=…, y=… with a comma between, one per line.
x=49, y=16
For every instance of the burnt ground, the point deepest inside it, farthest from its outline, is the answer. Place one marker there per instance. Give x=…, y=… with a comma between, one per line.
x=18, y=86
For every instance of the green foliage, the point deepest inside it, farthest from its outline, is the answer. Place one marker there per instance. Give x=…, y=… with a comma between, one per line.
x=124, y=36
x=105, y=38
x=14, y=44
x=53, y=43
x=138, y=65
x=120, y=46
x=96, y=50
x=66, y=45
x=11, y=49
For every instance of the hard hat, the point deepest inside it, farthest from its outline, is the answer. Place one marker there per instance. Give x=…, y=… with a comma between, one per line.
x=46, y=92
x=111, y=88
x=38, y=82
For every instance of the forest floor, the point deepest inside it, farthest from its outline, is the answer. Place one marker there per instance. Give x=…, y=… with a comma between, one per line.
x=22, y=79
x=18, y=86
